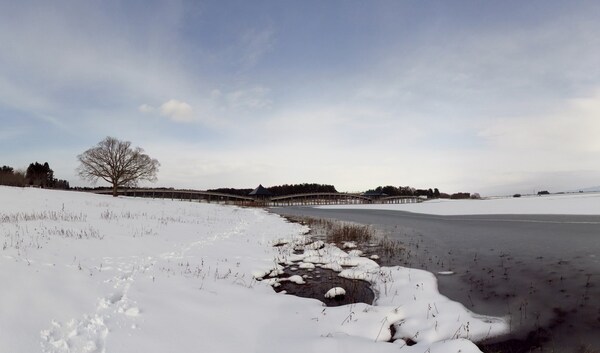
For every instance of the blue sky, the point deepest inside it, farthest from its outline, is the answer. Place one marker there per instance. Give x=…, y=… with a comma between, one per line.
x=479, y=96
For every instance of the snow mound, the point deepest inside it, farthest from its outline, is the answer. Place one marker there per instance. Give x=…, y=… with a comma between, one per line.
x=294, y=279
x=349, y=245
x=355, y=253
x=306, y=265
x=335, y=292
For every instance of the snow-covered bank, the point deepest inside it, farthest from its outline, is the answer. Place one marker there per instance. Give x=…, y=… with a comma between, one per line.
x=90, y=273
x=573, y=204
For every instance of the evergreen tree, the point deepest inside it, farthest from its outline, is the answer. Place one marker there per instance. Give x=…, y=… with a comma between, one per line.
x=40, y=175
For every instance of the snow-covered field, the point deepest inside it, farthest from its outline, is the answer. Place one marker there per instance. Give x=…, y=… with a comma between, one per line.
x=91, y=273
x=578, y=204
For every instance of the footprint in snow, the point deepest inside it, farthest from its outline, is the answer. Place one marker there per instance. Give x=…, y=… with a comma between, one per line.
x=87, y=335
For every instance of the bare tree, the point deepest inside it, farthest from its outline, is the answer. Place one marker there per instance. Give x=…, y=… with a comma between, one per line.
x=117, y=163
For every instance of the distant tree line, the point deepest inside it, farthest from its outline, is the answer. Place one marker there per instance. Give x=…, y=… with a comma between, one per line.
x=407, y=191
x=286, y=189
x=103, y=188
x=232, y=191
x=410, y=191
x=11, y=177
x=306, y=188
x=282, y=190
x=40, y=175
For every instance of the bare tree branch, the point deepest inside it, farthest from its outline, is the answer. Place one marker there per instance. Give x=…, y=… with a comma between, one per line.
x=117, y=163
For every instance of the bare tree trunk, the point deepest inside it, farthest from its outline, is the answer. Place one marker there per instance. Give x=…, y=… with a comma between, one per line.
x=115, y=190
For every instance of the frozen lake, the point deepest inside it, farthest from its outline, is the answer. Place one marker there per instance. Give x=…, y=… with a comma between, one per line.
x=542, y=270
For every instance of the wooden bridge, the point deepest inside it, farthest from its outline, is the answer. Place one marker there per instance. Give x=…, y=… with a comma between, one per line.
x=336, y=199
x=287, y=200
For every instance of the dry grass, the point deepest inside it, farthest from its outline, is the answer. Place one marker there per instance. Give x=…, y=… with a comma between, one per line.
x=59, y=216
x=340, y=232
x=336, y=232
x=343, y=232
x=391, y=247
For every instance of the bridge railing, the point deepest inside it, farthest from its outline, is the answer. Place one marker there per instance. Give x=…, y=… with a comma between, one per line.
x=183, y=195
x=286, y=200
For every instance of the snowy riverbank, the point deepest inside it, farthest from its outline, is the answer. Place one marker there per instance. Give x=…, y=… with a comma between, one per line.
x=90, y=273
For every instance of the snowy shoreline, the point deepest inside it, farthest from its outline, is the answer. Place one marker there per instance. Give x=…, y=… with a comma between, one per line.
x=90, y=273
x=408, y=297
x=540, y=269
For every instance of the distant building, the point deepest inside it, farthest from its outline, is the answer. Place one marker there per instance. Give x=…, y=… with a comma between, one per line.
x=260, y=193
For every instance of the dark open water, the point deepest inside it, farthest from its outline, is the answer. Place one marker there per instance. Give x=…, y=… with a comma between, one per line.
x=541, y=270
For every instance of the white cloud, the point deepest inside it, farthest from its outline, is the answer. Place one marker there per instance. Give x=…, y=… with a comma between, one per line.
x=573, y=131
x=177, y=111
x=558, y=150
x=146, y=108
